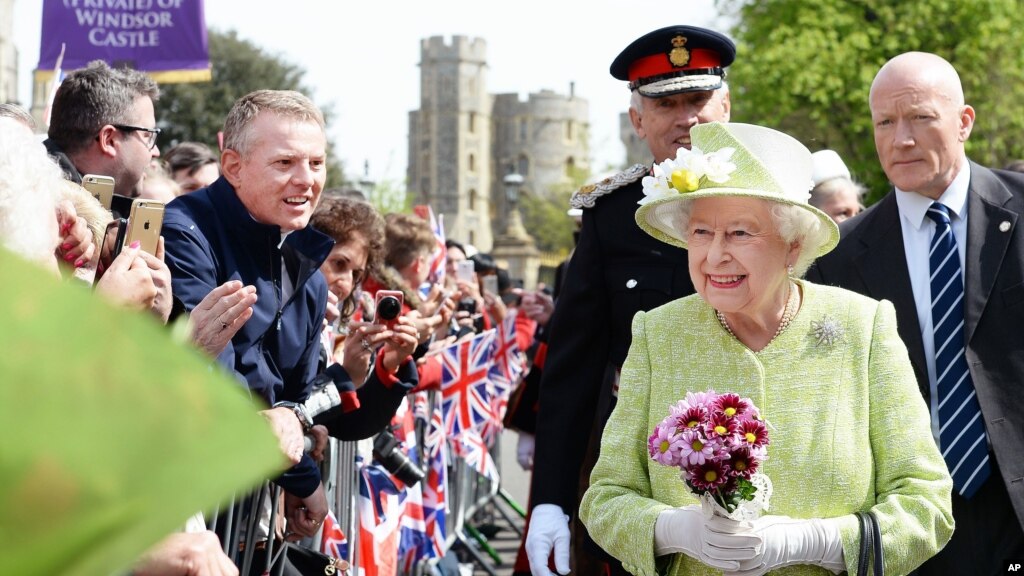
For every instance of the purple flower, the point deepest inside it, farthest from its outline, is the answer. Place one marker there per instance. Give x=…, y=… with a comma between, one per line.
x=708, y=475
x=664, y=444
x=695, y=448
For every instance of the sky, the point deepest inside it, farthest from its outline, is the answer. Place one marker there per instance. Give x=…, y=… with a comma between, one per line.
x=361, y=58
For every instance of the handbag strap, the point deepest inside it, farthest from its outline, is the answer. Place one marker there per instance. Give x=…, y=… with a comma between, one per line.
x=864, y=555
x=877, y=540
x=870, y=545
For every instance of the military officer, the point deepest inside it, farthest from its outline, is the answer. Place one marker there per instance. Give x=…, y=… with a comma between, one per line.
x=676, y=76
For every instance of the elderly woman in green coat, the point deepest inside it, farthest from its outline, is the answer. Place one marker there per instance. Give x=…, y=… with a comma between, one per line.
x=849, y=428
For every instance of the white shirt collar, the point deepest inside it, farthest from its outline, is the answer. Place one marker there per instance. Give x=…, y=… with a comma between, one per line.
x=914, y=206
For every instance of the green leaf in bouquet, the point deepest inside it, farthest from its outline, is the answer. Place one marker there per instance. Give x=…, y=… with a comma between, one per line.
x=113, y=434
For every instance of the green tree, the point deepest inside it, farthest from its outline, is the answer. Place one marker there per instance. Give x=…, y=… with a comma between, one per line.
x=196, y=111
x=544, y=214
x=807, y=69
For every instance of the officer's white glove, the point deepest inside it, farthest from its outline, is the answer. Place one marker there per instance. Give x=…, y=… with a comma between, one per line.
x=549, y=530
x=788, y=541
x=718, y=542
x=524, y=450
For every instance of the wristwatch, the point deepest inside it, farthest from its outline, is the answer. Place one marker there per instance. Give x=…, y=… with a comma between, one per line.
x=300, y=413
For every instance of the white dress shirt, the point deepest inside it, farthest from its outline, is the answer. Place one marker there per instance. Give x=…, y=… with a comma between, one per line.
x=918, y=231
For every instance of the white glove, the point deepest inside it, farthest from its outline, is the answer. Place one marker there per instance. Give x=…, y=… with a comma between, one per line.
x=790, y=541
x=524, y=451
x=549, y=529
x=717, y=542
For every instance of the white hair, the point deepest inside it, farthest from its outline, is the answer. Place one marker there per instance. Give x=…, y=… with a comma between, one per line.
x=792, y=223
x=29, y=180
x=636, y=100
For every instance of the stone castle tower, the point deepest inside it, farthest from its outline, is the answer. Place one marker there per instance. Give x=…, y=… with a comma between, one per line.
x=637, y=151
x=450, y=137
x=463, y=141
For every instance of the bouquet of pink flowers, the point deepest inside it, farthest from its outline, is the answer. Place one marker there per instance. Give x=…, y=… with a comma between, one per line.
x=718, y=441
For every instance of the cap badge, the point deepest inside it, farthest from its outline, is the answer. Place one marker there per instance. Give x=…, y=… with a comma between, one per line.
x=679, y=56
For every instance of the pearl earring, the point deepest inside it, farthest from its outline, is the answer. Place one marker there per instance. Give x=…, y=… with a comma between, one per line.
x=789, y=269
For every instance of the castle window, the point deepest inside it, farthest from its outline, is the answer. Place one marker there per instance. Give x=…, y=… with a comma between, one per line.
x=523, y=129
x=472, y=163
x=569, y=131
x=472, y=200
x=524, y=166
x=472, y=122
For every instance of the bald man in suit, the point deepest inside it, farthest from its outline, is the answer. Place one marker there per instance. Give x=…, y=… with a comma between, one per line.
x=921, y=123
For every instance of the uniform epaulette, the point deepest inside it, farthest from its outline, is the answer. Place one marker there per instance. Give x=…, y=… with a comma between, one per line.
x=587, y=195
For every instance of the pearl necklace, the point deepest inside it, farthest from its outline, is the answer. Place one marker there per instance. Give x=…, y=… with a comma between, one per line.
x=792, y=305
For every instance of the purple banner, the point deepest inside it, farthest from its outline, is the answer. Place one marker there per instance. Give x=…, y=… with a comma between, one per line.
x=149, y=35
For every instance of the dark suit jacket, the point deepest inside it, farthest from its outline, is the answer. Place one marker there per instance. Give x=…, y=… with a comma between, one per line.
x=616, y=270
x=871, y=260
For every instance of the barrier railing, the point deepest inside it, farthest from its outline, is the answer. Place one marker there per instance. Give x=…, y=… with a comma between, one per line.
x=468, y=495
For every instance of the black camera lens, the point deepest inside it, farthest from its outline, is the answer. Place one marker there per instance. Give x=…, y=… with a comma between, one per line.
x=388, y=452
x=466, y=305
x=388, y=308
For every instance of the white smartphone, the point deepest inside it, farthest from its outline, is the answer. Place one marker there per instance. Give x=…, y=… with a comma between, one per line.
x=464, y=270
x=491, y=284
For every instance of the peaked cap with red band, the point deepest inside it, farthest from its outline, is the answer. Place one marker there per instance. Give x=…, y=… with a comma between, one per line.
x=674, y=60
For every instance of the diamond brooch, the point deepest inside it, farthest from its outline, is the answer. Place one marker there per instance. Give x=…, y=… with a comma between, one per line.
x=827, y=331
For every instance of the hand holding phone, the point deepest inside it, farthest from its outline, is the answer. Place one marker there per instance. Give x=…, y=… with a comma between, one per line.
x=144, y=224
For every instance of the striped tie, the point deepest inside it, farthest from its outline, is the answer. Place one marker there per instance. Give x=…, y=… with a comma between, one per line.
x=962, y=429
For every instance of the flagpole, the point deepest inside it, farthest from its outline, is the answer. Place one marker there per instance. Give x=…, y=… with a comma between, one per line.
x=54, y=84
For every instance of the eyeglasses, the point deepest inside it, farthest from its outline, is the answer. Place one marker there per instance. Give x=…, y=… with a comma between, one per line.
x=148, y=137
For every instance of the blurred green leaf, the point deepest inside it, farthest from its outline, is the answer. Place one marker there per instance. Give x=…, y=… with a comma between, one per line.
x=113, y=434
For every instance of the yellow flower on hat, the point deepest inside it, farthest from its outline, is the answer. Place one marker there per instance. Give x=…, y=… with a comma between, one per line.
x=687, y=172
x=685, y=180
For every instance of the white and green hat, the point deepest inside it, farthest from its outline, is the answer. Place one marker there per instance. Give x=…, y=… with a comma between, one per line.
x=729, y=160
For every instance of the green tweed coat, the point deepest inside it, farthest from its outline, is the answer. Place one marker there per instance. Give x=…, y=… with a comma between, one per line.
x=850, y=430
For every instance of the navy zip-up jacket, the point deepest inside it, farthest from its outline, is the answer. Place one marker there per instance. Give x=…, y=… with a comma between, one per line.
x=210, y=238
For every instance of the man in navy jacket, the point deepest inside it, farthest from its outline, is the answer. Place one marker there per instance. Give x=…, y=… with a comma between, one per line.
x=251, y=226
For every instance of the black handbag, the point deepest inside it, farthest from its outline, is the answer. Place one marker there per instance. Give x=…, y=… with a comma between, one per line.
x=870, y=545
x=292, y=560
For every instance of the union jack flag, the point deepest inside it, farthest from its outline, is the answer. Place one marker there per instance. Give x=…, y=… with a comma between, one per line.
x=465, y=387
x=435, y=505
x=334, y=542
x=472, y=448
x=380, y=514
x=507, y=355
x=505, y=373
x=439, y=256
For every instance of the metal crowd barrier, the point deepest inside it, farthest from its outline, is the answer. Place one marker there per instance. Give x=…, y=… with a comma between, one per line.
x=469, y=496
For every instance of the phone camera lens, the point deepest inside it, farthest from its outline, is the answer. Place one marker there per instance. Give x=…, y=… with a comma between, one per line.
x=388, y=308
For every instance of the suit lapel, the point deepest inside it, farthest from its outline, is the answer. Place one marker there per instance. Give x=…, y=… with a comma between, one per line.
x=986, y=241
x=886, y=277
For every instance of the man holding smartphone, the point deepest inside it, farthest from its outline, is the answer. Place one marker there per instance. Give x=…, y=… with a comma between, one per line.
x=103, y=122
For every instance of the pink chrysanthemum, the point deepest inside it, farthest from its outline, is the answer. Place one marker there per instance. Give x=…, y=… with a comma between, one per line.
x=701, y=398
x=720, y=426
x=695, y=449
x=743, y=463
x=665, y=444
x=692, y=417
x=709, y=475
x=732, y=405
x=753, y=433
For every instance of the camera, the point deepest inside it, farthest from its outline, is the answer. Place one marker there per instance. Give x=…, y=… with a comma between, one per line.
x=467, y=305
x=388, y=451
x=388, y=307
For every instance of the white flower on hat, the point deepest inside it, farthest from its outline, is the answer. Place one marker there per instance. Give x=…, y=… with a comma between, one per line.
x=687, y=172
